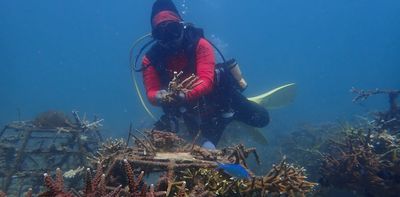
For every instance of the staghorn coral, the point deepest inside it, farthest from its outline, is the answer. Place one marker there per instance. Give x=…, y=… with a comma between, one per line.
x=387, y=120
x=363, y=161
x=178, y=84
x=165, y=141
x=155, y=152
x=189, y=170
x=132, y=183
x=111, y=146
x=208, y=181
x=93, y=186
x=238, y=154
x=55, y=187
x=183, y=174
x=283, y=179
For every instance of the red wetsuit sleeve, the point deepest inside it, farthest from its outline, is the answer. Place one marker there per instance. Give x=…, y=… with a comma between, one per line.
x=151, y=81
x=205, y=63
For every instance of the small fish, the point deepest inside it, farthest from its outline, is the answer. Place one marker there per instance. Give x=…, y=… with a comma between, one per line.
x=234, y=170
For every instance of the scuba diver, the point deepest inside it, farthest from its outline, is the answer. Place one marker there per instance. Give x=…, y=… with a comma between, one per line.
x=214, y=98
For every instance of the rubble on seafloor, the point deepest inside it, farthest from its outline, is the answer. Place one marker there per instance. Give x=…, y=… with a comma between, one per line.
x=51, y=140
x=182, y=169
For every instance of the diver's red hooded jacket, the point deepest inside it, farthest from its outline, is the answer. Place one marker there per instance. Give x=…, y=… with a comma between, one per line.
x=204, y=65
x=204, y=61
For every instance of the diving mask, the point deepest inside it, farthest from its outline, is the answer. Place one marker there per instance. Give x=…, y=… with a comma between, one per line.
x=168, y=31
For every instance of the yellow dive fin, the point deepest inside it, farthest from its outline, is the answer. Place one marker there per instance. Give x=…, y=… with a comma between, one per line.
x=276, y=98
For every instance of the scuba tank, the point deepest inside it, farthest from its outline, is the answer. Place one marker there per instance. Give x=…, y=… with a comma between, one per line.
x=228, y=74
x=234, y=70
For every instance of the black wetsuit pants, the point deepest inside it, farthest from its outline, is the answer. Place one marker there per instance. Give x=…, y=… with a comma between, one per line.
x=244, y=110
x=212, y=125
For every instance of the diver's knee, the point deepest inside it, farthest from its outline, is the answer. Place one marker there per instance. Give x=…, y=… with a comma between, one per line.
x=261, y=120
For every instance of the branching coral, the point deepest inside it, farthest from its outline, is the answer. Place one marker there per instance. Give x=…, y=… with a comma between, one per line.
x=238, y=154
x=388, y=120
x=111, y=146
x=363, y=162
x=191, y=170
x=132, y=183
x=179, y=84
x=165, y=141
x=94, y=187
x=55, y=187
x=283, y=179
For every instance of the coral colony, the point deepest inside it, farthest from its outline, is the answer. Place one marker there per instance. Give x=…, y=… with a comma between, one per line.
x=361, y=157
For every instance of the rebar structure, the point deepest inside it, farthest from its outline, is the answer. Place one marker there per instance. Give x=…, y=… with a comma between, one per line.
x=51, y=140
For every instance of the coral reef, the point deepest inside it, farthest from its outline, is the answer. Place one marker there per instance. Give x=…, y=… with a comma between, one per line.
x=360, y=157
x=181, y=176
x=189, y=170
x=160, y=150
x=363, y=160
x=283, y=179
x=175, y=166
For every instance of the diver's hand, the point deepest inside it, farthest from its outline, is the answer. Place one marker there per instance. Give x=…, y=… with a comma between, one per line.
x=162, y=97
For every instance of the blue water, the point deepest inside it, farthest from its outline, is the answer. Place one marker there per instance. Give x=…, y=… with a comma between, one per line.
x=68, y=55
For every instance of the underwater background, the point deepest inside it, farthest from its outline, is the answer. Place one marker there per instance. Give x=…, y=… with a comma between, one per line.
x=73, y=55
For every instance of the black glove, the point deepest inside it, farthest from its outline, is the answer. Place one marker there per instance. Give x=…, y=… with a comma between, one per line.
x=161, y=97
x=164, y=97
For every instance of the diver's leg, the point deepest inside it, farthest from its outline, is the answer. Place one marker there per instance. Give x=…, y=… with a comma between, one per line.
x=249, y=112
x=163, y=124
x=192, y=124
x=212, y=129
x=167, y=122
